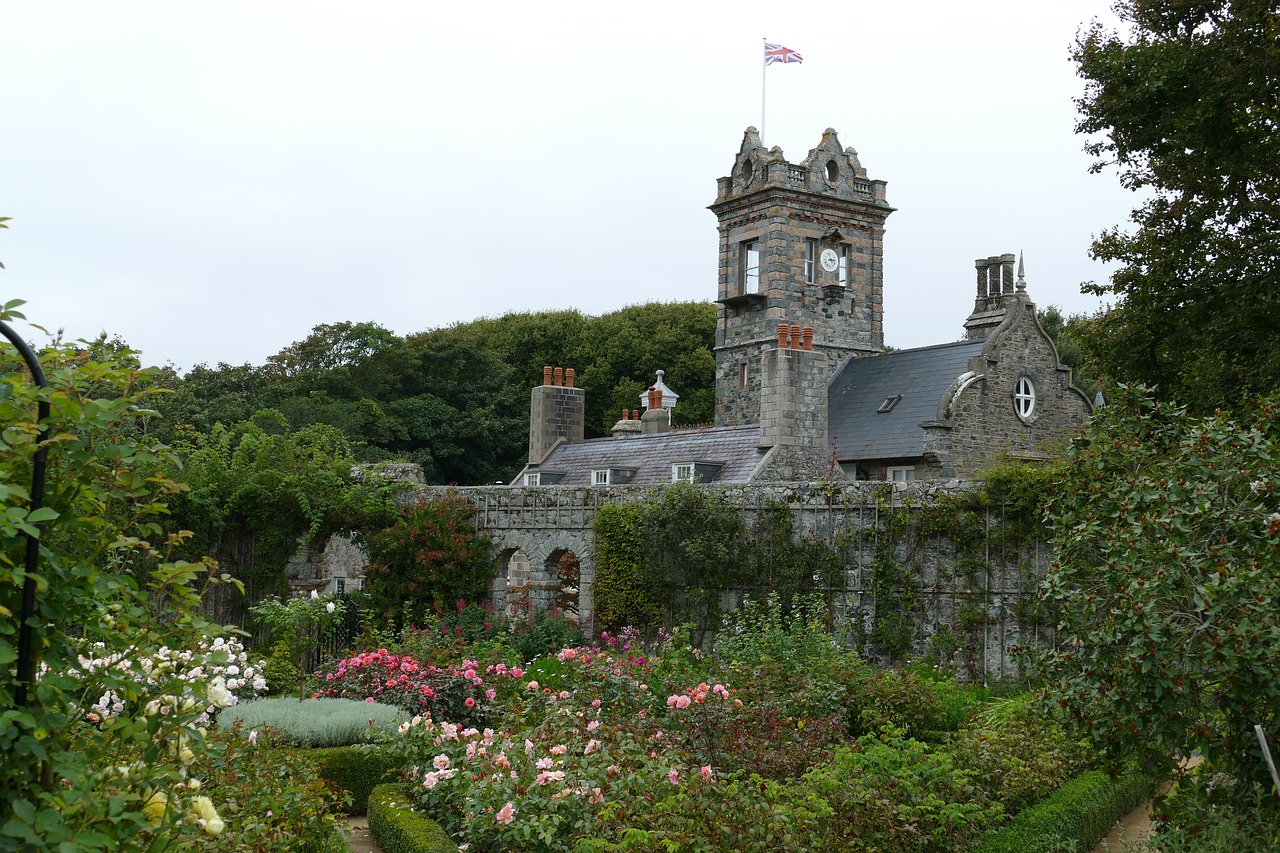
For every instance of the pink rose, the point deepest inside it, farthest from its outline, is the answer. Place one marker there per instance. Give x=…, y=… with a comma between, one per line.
x=673, y=777
x=506, y=814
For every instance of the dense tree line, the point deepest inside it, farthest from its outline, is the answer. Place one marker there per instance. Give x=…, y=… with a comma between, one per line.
x=455, y=399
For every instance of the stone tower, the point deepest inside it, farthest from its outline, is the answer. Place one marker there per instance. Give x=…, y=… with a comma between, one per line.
x=799, y=245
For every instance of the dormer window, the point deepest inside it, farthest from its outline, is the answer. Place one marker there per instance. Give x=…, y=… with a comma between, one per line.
x=682, y=472
x=531, y=479
x=600, y=478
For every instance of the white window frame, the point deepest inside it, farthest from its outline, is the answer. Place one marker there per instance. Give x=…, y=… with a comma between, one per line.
x=810, y=260
x=843, y=270
x=531, y=479
x=1025, y=398
x=600, y=477
x=900, y=473
x=750, y=261
x=682, y=472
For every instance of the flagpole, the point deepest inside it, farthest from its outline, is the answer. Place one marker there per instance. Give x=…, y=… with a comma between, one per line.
x=763, y=67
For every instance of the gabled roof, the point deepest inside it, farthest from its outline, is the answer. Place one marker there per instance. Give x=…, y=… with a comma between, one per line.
x=861, y=387
x=735, y=448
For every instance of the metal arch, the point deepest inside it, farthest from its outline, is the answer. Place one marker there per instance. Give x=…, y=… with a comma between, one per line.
x=26, y=657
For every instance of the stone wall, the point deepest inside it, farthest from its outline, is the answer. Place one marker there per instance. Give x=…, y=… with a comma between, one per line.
x=542, y=523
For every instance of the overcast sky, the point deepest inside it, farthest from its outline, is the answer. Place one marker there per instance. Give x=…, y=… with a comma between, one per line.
x=211, y=180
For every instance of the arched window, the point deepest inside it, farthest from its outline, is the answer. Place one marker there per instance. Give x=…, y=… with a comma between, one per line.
x=1024, y=398
x=833, y=171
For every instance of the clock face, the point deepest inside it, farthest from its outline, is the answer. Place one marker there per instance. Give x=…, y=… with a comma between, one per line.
x=829, y=260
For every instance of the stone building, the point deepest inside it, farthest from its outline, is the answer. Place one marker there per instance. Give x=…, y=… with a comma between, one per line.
x=804, y=388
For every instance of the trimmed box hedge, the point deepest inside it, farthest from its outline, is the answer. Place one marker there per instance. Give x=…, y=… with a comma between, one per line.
x=355, y=769
x=1083, y=810
x=399, y=829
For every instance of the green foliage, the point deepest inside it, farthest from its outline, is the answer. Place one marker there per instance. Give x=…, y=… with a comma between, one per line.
x=106, y=570
x=678, y=557
x=399, y=829
x=1167, y=533
x=281, y=672
x=1212, y=812
x=432, y=555
x=355, y=770
x=269, y=799
x=256, y=489
x=299, y=624
x=314, y=722
x=1183, y=105
x=783, y=650
x=455, y=400
x=1081, y=811
x=625, y=593
x=893, y=793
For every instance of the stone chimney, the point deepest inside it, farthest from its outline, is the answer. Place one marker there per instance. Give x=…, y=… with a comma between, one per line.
x=557, y=413
x=997, y=290
x=656, y=418
x=628, y=424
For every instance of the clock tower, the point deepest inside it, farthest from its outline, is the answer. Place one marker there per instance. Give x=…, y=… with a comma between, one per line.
x=800, y=246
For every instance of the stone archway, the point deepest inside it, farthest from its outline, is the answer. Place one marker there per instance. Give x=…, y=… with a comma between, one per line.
x=565, y=567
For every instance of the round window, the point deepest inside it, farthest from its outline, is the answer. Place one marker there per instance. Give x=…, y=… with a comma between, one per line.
x=1024, y=398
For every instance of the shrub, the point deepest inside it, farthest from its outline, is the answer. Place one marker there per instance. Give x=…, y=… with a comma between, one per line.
x=315, y=722
x=448, y=693
x=893, y=793
x=1081, y=811
x=1017, y=754
x=355, y=770
x=283, y=676
x=269, y=799
x=431, y=555
x=399, y=829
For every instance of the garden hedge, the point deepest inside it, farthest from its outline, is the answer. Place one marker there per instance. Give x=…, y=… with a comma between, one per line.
x=355, y=769
x=399, y=829
x=1083, y=810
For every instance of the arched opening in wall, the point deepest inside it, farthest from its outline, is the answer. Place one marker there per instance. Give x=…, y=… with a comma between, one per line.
x=833, y=171
x=518, y=572
x=563, y=565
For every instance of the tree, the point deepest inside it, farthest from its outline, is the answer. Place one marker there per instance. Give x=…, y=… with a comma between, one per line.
x=1166, y=532
x=1186, y=107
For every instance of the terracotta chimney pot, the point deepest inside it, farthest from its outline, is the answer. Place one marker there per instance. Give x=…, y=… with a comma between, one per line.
x=783, y=329
x=807, y=335
x=559, y=376
x=568, y=377
x=546, y=375
x=795, y=336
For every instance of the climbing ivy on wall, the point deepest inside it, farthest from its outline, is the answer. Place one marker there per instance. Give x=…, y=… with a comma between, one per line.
x=673, y=559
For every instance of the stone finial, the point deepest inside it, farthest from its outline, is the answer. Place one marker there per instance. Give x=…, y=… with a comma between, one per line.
x=1022, y=275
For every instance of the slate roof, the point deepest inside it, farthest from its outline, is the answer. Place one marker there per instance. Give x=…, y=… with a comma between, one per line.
x=653, y=455
x=862, y=385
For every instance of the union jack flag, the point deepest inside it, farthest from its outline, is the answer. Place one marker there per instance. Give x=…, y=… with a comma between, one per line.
x=777, y=53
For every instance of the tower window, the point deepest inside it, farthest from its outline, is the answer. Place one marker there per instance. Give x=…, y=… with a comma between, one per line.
x=810, y=261
x=844, y=266
x=833, y=171
x=1024, y=398
x=750, y=264
x=742, y=376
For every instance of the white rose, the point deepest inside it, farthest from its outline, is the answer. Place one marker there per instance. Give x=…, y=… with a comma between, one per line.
x=330, y=607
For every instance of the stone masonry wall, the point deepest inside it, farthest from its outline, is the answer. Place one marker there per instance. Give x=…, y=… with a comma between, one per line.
x=544, y=522
x=985, y=426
